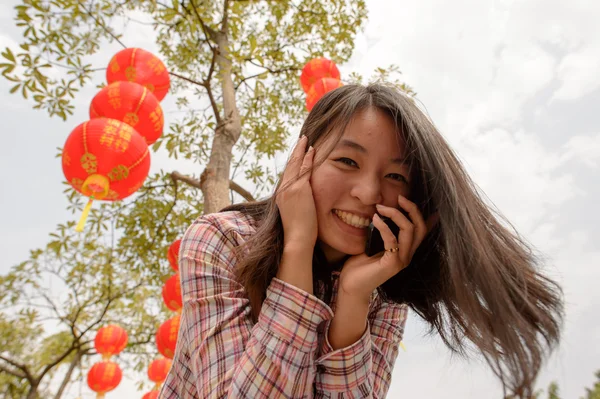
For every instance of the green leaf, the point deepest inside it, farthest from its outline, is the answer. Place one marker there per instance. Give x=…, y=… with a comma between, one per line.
x=8, y=54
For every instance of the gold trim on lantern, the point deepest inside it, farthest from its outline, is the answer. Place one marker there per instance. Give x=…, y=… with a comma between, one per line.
x=85, y=136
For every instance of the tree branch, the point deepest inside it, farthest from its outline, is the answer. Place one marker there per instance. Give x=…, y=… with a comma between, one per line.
x=196, y=183
x=241, y=191
x=162, y=224
x=19, y=366
x=274, y=71
x=102, y=25
x=15, y=373
x=209, y=33
x=56, y=361
x=187, y=79
x=211, y=97
x=224, y=26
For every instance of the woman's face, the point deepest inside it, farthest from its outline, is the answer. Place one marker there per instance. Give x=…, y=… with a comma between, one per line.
x=366, y=167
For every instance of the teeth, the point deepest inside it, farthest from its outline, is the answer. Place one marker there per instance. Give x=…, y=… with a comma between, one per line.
x=352, y=219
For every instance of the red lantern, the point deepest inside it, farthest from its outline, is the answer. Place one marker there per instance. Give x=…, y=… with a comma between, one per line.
x=166, y=337
x=110, y=340
x=315, y=69
x=140, y=66
x=105, y=159
x=319, y=89
x=151, y=395
x=173, y=254
x=171, y=293
x=158, y=370
x=133, y=104
x=104, y=377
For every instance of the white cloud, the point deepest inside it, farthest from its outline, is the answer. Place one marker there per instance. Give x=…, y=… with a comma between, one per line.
x=578, y=73
x=522, y=177
x=584, y=149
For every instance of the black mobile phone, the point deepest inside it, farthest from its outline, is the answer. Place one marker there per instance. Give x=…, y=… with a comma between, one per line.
x=374, y=241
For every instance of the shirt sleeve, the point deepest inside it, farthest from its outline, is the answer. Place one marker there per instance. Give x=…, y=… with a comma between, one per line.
x=220, y=350
x=363, y=369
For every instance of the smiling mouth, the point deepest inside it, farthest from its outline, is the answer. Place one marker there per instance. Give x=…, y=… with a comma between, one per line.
x=352, y=220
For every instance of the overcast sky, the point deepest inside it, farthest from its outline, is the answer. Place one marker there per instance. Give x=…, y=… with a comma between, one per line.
x=513, y=85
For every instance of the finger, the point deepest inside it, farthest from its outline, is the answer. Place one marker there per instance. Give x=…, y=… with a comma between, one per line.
x=293, y=166
x=307, y=164
x=415, y=215
x=398, y=217
x=389, y=239
x=406, y=234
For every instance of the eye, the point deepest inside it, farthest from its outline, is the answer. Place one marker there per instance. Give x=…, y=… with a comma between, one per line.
x=399, y=177
x=347, y=161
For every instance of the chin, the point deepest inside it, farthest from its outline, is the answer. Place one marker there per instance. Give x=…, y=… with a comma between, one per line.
x=340, y=239
x=344, y=248
x=352, y=250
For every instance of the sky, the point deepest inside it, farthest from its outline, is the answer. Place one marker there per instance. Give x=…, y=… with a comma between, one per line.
x=512, y=85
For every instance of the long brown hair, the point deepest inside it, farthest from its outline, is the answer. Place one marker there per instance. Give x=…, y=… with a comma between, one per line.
x=472, y=279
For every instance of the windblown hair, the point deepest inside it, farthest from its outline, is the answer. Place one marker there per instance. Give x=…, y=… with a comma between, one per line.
x=473, y=279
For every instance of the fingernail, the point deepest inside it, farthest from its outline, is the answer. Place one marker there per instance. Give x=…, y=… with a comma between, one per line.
x=311, y=148
x=378, y=206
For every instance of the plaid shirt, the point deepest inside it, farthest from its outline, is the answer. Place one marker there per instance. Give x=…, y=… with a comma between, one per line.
x=221, y=353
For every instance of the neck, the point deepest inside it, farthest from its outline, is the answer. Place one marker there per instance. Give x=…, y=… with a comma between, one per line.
x=334, y=258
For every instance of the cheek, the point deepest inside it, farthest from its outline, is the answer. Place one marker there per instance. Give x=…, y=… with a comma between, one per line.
x=390, y=196
x=326, y=186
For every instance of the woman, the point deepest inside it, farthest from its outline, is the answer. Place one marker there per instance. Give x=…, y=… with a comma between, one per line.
x=280, y=300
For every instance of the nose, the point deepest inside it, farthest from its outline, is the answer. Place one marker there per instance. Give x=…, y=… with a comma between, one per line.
x=367, y=190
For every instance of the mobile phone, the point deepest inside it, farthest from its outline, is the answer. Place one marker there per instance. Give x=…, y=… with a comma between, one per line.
x=374, y=241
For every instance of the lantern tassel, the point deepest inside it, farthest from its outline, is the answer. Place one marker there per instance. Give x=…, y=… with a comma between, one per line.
x=84, y=215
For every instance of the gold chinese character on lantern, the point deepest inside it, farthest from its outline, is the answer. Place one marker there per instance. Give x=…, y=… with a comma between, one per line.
x=66, y=159
x=115, y=102
x=114, y=95
x=156, y=65
x=114, y=66
x=117, y=138
x=157, y=118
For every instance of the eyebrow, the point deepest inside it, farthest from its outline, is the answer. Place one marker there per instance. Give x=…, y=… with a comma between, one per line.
x=354, y=145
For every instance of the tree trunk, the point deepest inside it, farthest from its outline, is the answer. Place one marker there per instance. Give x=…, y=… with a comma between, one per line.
x=67, y=379
x=33, y=394
x=214, y=181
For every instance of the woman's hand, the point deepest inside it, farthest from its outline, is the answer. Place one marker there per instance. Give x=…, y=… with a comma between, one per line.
x=295, y=201
x=361, y=274
x=296, y=205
